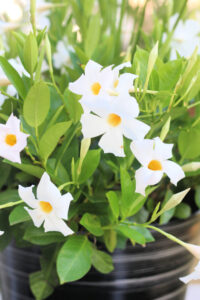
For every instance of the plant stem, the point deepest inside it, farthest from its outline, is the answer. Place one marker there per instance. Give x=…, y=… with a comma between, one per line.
x=133, y=90
x=10, y=204
x=168, y=235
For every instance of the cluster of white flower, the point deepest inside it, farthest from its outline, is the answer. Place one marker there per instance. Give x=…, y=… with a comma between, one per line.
x=110, y=111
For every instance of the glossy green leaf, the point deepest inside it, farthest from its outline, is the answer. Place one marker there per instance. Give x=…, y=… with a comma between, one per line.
x=128, y=192
x=110, y=239
x=18, y=215
x=114, y=203
x=73, y=106
x=132, y=233
x=28, y=168
x=74, y=259
x=89, y=165
x=40, y=287
x=37, y=104
x=188, y=143
x=92, y=224
x=13, y=76
x=51, y=138
x=102, y=261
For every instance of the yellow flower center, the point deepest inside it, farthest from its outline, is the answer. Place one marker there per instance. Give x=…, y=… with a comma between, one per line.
x=114, y=120
x=46, y=207
x=116, y=83
x=11, y=139
x=155, y=165
x=96, y=88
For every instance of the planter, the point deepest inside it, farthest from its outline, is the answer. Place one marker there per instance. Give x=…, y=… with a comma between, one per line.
x=150, y=273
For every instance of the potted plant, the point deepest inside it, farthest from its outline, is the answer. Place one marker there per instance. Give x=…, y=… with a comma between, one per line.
x=101, y=150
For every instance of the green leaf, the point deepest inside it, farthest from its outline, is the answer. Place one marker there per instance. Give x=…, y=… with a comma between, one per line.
x=30, y=53
x=188, y=143
x=18, y=215
x=92, y=37
x=183, y=211
x=132, y=233
x=40, y=287
x=73, y=106
x=37, y=104
x=128, y=191
x=102, y=261
x=74, y=259
x=13, y=76
x=51, y=138
x=114, y=203
x=110, y=239
x=37, y=236
x=89, y=165
x=27, y=168
x=92, y=224
x=167, y=215
x=9, y=196
x=87, y=7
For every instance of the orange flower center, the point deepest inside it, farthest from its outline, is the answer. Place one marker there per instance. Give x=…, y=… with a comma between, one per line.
x=11, y=139
x=96, y=88
x=155, y=165
x=46, y=207
x=116, y=83
x=114, y=120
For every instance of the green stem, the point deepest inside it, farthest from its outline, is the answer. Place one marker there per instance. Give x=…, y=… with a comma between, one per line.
x=10, y=204
x=168, y=235
x=133, y=90
x=61, y=187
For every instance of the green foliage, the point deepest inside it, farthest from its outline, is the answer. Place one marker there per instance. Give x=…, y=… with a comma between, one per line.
x=188, y=143
x=132, y=233
x=51, y=137
x=114, y=203
x=73, y=106
x=30, y=53
x=102, y=261
x=18, y=215
x=89, y=165
x=74, y=259
x=92, y=224
x=92, y=37
x=13, y=76
x=36, y=104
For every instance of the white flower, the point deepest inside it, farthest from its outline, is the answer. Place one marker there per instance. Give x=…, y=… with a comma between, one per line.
x=1, y=232
x=193, y=249
x=12, y=140
x=113, y=120
x=154, y=155
x=61, y=57
x=50, y=206
x=195, y=275
x=97, y=84
x=185, y=37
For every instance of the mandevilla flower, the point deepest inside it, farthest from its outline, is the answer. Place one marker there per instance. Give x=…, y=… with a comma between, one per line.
x=195, y=275
x=99, y=84
x=50, y=206
x=1, y=232
x=154, y=155
x=61, y=57
x=12, y=140
x=185, y=37
x=114, y=120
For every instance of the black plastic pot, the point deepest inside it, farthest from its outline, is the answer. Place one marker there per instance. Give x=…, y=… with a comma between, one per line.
x=150, y=273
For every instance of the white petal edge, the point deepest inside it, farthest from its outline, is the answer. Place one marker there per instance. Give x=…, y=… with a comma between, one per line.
x=26, y=194
x=53, y=223
x=173, y=171
x=93, y=126
x=36, y=216
x=112, y=142
x=47, y=191
x=145, y=177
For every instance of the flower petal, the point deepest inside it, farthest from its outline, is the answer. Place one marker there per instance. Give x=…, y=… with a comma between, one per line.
x=134, y=129
x=79, y=86
x=92, y=68
x=162, y=150
x=13, y=123
x=145, y=177
x=47, y=191
x=126, y=82
x=53, y=223
x=195, y=275
x=93, y=126
x=112, y=142
x=36, y=216
x=13, y=156
x=173, y=171
x=143, y=151
x=62, y=206
x=26, y=194
x=1, y=232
